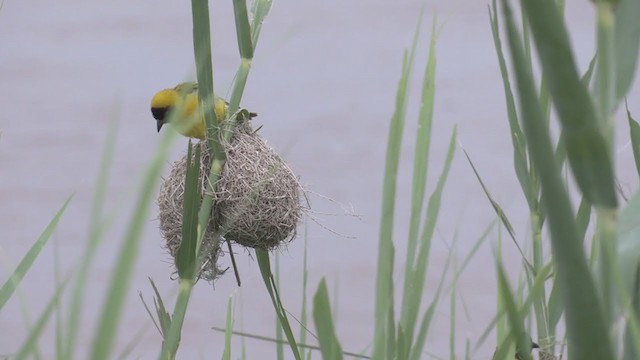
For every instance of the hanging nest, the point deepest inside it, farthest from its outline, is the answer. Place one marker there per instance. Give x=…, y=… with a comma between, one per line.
x=257, y=199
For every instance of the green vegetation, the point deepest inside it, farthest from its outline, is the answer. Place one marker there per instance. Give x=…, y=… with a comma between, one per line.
x=583, y=278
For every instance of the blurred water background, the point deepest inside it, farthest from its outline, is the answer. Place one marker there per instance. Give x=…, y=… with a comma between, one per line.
x=323, y=82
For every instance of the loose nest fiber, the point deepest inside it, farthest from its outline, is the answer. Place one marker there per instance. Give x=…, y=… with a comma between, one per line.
x=257, y=199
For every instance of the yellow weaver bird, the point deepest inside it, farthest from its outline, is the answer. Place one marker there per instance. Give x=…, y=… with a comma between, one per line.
x=190, y=121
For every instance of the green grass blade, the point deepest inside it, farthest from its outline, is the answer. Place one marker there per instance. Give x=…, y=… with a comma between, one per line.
x=588, y=338
x=634, y=130
x=247, y=41
x=605, y=88
x=265, y=270
x=59, y=322
x=452, y=320
x=186, y=256
x=272, y=340
x=172, y=335
x=421, y=337
x=540, y=298
x=606, y=238
x=31, y=342
x=505, y=348
x=243, y=30
x=329, y=344
x=148, y=310
x=587, y=150
x=501, y=324
x=259, y=11
x=420, y=168
x=498, y=210
x=26, y=318
x=523, y=344
x=25, y=264
x=540, y=312
x=239, y=84
x=411, y=304
x=517, y=136
x=401, y=352
x=586, y=77
x=119, y=286
x=583, y=218
x=229, y=330
x=421, y=156
x=279, y=345
x=627, y=42
x=164, y=318
x=555, y=305
x=473, y=251
x=628, y=244
x=385, y=244
x=303, y=312
x=392, y=334
x=204, y=69
x=96, y=235
x=631, y=350
x=535, y=287
x=561, y=149
x=526, y=41
x=496, y=207
x=164, y=322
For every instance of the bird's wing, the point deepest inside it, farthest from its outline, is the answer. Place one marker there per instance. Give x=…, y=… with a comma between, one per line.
x=187, y=87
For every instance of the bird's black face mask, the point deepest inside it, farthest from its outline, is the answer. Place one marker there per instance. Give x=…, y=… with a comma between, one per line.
x=159, y=114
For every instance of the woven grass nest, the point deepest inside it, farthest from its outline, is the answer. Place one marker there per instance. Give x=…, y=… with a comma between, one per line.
x=257, y=200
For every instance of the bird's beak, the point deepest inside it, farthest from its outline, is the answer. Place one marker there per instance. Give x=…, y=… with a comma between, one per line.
x=160, y=123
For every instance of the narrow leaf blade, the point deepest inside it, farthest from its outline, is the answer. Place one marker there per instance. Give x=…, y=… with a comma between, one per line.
x=25, y=264
x=329, y=344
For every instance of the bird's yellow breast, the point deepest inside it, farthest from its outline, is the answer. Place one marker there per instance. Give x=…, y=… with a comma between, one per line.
x=191, y=122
